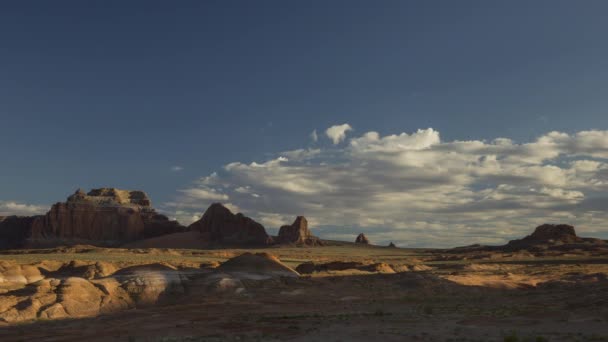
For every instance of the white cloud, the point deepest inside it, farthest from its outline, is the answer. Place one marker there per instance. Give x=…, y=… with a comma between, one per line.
x=416, y=190
x=300, y=154
x=205, y=194
x=313, y=136
x=9, y=208
x=337, y=133
x=176, y=168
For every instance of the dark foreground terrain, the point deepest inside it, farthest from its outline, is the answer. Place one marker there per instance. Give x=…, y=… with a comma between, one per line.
x=342, y=292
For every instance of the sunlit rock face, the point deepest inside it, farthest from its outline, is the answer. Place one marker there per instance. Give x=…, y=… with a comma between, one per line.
x=298, y=233
x=54, y=289
x=102, y=216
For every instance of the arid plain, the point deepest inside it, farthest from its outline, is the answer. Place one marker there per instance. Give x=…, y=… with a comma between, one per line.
x=143, y=277
x=371, y=293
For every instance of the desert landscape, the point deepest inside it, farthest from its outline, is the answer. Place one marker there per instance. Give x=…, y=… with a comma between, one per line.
x=271, y=170
x=104, y=266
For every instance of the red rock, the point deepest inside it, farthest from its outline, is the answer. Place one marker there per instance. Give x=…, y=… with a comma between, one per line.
x=298, y=233
x=15, y=230
x=105, y=216
x=547, y=234
x=220, y=226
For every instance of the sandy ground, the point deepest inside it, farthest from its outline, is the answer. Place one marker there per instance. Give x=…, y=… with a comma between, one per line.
x=560, y=298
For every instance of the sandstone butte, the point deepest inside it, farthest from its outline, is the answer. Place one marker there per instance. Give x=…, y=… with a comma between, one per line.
x=105, y=216
x=361, y=238
x=114, y=217
x=219, y=226
x=298, y=233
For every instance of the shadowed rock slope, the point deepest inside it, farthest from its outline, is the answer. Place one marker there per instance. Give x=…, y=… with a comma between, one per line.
x=219, y=226
x=545, y=238
x=552, y=236
x=362, y=239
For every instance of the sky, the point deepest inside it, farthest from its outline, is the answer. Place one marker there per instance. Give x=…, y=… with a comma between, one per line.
x=426, y=123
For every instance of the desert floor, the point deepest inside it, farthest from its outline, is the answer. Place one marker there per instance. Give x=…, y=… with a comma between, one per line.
x=424, y=295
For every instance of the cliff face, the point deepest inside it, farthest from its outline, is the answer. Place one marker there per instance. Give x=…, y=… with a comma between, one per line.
x=298, y=233
x=89, y=222
x=14, y=230
x=547, y=234
x=104, y=216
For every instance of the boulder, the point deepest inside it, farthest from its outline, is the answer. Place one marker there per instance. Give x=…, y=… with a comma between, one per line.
x=361, y=238
x=79, y=297
x=149, y=284
x=13, y=274
x=219, y=226
x=84, y=270
x=298, y=233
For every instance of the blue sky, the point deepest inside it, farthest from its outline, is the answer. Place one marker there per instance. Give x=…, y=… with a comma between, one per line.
x=117, y=93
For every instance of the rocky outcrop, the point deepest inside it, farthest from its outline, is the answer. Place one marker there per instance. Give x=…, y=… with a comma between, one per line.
x=55, y=290
x=553, y=233
x=159, y=225
x=298, y=233
x=547, y=234
x=547, y=238
x=361, y=238
x=219, y=226
x=15, y=230
x=104, y=216
x=258, y=264
x=310, y=267
x=391, y=245
x=32, y=292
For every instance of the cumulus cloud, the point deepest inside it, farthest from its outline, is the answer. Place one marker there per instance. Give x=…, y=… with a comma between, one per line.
x=337, y=133
x=204, y=194
x=8, y=208
x=416, y=190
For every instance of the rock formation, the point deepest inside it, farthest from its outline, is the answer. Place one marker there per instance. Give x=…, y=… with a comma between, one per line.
x=361, y=238
x=15, y=230
x=392, y=245
x=55, y=289
x=219, y=226
x=311, y=267
x=105, y=216
x=298, y=233
x=547, y=234
x=82, y=290
x=259, y=263
x=552, y=236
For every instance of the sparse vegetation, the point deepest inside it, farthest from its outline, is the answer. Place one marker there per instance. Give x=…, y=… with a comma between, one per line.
x=393, y=305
